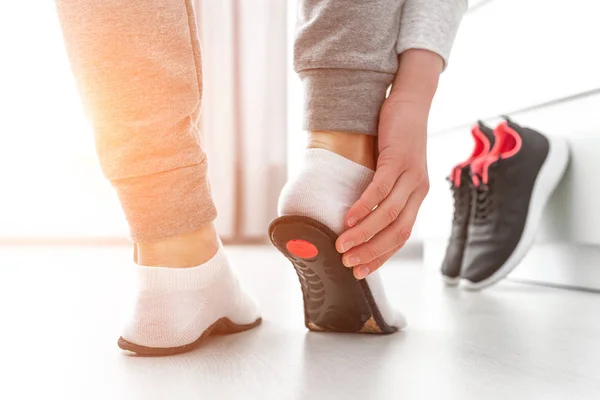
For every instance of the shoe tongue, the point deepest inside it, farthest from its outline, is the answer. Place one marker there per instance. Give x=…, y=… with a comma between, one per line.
x=483, y=140
x=487, y=132
x=477, y=167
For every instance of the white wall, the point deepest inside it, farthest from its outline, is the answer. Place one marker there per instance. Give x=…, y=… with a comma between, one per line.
x=511, y=54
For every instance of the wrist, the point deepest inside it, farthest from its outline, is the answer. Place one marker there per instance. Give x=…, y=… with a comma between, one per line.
x=417, y=77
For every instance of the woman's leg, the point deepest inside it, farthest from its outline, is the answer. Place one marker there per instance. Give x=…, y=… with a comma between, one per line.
x=345, y=55
x=138, y=69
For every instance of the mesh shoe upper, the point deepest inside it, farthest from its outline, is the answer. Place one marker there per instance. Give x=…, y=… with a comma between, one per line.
x=460, y=179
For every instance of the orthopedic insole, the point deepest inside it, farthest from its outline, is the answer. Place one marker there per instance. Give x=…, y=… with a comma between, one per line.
x=334, y=300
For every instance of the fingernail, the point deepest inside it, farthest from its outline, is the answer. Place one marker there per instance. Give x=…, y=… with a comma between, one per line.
x=347, y=246
x=351, y=222
x=361, y=272
x=352, y=261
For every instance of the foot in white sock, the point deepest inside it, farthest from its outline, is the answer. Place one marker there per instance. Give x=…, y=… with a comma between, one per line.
x=178, y=307
x=325, y=189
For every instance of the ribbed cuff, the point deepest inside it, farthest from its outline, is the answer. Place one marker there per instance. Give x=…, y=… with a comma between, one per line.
x=167, y=203
x=343, y=100
x=178, y=279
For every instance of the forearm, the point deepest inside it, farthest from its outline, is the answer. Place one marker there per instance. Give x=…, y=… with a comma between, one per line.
x=430, y=25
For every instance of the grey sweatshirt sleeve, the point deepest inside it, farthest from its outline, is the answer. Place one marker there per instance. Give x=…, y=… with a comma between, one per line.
x=430, y=25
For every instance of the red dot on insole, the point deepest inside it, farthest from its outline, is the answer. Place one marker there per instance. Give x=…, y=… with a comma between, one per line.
x=302, y=248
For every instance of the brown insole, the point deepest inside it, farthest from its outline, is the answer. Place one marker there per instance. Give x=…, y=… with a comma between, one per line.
x=334, y=300
x=222, y=326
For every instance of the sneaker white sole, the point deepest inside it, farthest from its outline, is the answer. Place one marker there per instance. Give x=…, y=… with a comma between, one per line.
x=550, y=175
x=451, y=281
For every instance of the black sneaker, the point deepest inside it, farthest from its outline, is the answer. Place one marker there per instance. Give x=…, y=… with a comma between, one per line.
x=460, y=179
x=511, y=187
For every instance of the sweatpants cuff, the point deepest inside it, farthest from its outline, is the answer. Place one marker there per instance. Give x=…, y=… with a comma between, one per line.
x=343, y=99
x=167, y=203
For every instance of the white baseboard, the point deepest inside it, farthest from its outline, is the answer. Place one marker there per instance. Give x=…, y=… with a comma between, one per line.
x=557, y=264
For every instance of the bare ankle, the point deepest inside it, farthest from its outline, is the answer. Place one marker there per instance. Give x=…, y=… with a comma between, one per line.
x=181, y=251
x=357, y=147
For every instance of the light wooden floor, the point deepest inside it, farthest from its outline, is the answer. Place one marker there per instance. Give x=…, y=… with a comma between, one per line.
x=61, y=311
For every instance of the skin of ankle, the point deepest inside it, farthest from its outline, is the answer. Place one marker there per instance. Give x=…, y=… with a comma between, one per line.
x=181, y=251
x=356, y=147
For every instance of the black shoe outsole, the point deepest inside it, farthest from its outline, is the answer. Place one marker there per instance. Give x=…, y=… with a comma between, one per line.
x=222, y=326
x=334, y=300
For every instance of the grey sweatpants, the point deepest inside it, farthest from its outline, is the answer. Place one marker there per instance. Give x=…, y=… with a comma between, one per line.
x=138, y=68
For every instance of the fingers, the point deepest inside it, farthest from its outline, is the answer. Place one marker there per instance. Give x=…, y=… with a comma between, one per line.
x=381, y=186
x=362, y=271
x=392, y=237
x=384, y=215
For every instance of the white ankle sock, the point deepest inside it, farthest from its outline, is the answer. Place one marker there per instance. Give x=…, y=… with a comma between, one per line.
x=324, y=190
x=175, y=306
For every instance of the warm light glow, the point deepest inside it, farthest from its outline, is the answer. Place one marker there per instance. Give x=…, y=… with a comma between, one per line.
x=50, y=182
